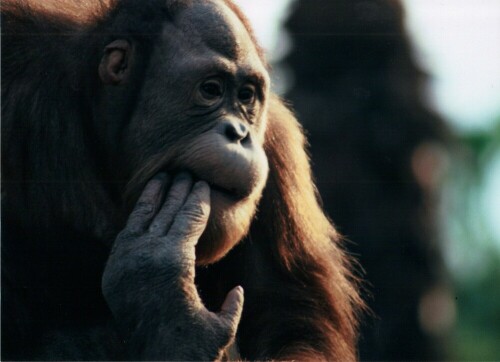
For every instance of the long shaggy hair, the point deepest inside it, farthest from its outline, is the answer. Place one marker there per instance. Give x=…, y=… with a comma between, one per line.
x=301, y=295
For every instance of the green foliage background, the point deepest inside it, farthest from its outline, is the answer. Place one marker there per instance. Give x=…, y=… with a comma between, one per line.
x=476, y=271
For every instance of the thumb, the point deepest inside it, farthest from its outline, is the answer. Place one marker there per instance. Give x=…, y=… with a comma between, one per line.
x=232, y=308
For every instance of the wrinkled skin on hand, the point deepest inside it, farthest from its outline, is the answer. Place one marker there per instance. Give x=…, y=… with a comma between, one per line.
x=148, y=282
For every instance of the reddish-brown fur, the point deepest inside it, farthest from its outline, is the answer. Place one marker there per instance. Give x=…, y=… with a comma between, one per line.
x=304, y=305
x=306, y=244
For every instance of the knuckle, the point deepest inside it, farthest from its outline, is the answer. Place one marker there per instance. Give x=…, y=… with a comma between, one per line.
x=144, y=208
x=196, y=213
x=182, y=249
x=174, y=199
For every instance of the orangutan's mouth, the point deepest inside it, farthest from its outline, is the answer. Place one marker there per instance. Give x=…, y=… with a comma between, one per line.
x=231, y=193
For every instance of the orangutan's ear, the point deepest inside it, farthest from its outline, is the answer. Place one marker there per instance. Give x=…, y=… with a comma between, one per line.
x=114, y=68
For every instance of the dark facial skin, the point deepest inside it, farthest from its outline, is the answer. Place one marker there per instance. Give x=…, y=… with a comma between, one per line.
x=201, y=116
x=202, y=110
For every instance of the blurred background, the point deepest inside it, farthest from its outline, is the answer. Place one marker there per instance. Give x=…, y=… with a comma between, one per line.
x=401, y=104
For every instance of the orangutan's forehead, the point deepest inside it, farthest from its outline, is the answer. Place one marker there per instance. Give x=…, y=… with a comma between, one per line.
x=215, y=25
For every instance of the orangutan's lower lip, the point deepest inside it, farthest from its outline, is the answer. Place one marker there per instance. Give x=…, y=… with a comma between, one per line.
x=230, y=193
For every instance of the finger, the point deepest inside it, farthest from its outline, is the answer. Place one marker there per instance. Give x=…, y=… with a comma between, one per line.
x=191, y=220
x=148, y=203
x=176, y=197
x=232, y=308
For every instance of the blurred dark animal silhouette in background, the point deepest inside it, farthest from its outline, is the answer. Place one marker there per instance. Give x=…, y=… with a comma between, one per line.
x=377, y=150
